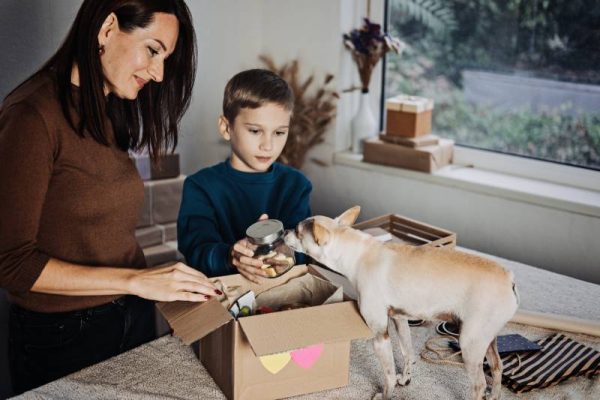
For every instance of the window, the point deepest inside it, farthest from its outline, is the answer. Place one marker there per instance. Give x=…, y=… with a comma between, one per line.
x=514, y=76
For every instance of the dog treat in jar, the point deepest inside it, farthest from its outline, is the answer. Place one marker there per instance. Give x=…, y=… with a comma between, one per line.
x=276, y=256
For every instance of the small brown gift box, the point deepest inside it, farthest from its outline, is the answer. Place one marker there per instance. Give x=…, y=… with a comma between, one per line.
x=419, y=141
x=426, y=159
x=408, y=116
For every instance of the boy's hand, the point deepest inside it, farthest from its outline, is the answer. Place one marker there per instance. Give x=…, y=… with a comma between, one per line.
x=241, y=258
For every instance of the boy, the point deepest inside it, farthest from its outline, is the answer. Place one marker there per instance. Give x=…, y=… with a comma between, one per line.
x=220, y=202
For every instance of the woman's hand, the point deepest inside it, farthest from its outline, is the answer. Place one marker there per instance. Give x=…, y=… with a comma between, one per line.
x=172, y=283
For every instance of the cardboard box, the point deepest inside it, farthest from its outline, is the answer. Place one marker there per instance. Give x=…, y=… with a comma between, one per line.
x=165, y=199
x=160, y=254
x=167, y=166
x=408, y=231
x=149, y=236
x=408, y=116
x=236, y=352
x=419, y=141
x=426, y=159
x=169, y=231
x=161, y=202
x=145, y=218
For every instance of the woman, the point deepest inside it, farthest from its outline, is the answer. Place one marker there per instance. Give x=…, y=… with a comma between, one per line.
x=71, y=196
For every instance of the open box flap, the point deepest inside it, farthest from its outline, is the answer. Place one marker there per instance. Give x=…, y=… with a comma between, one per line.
x=294, y=329
x=192, y=321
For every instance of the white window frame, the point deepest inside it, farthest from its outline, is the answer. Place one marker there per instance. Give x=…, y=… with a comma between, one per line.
x=528, y=167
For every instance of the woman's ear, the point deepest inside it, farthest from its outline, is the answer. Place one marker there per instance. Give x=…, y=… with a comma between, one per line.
x=224, y=128
x=109, y=26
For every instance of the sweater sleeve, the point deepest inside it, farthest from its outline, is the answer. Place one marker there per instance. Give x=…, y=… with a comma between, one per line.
x=27, y=154
x=198, y=235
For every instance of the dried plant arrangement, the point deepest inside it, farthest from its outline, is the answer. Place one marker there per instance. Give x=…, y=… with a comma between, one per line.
x=314, y=110
x=368, y=45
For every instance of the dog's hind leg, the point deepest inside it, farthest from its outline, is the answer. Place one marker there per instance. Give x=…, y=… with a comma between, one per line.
x=473, y=349
x=495, y=363
x=406, y=349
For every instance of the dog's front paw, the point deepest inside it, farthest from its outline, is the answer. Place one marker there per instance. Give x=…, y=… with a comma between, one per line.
x=403, y=379
x=487, y=395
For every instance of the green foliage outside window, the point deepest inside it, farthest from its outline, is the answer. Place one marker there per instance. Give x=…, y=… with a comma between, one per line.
x=551, y=39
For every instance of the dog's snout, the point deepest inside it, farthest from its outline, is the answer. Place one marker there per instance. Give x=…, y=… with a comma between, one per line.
x=291, y=239
x=287, y=234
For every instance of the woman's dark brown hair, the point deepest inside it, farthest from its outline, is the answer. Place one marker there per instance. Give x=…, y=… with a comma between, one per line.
x=151, y=120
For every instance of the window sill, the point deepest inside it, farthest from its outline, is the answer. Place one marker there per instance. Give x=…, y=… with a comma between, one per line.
x=538, y=192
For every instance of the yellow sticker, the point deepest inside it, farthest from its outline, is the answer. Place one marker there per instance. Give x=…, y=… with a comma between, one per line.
x=275, y=362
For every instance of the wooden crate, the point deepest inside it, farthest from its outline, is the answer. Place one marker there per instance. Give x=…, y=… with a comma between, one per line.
x=410, y=231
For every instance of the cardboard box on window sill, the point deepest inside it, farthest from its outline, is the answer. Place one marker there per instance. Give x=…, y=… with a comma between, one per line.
x=408, y=116
x=305, y=349
x=419, y=141
x=425, y=159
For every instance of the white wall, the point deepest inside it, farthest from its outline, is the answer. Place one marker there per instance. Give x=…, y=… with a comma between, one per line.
x=30, y=32
x=229, y=34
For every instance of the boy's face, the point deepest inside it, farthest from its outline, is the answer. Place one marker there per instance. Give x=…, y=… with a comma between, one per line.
x=257, y=136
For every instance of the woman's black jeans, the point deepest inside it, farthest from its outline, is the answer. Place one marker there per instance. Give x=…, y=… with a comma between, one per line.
x=47, y=346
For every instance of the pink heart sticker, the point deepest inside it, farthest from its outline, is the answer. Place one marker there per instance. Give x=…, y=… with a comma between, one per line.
x=306, y=357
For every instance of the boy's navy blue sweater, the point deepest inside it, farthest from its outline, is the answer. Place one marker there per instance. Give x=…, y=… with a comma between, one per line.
x=219, y=203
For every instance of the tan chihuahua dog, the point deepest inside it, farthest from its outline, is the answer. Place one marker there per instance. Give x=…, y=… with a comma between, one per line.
x=406, y=282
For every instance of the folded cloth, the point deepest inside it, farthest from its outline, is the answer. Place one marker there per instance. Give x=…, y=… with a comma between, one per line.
x=559, y=359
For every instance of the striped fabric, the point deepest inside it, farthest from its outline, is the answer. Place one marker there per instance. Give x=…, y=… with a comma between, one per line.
x=559, y=359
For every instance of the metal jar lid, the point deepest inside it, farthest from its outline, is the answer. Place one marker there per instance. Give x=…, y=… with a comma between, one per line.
x=265, y=232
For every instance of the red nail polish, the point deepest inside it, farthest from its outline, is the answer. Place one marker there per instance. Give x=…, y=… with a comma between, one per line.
x=217, y=291
x=207, y=297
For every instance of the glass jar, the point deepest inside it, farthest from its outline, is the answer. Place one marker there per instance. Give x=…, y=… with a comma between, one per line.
x=276, y=256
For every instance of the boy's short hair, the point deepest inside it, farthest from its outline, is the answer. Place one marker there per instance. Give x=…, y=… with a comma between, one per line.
x=252, y=89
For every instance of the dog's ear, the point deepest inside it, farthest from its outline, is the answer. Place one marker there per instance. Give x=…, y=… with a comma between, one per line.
x=320, y=233
x=348, y=217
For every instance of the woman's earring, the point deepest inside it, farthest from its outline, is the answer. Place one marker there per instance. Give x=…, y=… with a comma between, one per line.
x=101, y=49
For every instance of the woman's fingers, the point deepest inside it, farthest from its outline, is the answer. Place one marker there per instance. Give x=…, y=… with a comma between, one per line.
x=195, y=287
x=263, y=217
x=174, y=282
x=189, y=296
x=184, y=273
x=187, y=269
